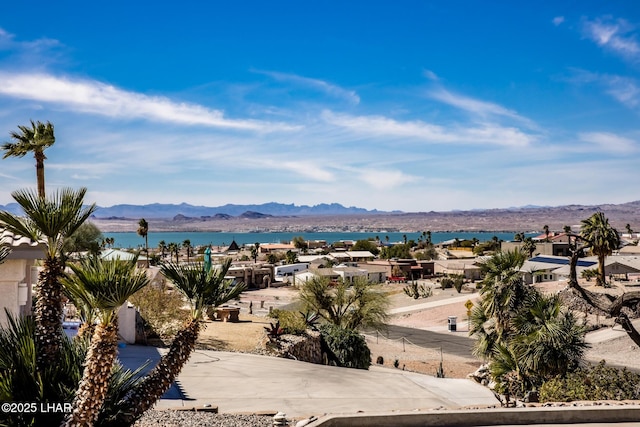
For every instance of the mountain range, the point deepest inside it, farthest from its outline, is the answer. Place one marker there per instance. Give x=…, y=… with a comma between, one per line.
x=158, y=210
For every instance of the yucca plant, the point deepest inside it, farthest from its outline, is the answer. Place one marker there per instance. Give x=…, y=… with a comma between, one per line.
x=21, y=382
x=202, y=289
x=50, y=219
x=104, y=286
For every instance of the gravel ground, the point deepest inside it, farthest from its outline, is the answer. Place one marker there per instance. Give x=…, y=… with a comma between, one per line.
x=155, y=418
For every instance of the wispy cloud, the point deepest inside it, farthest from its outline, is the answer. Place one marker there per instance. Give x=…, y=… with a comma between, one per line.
x=90, y=96
x=609, y=142
x=385, y=179
x=486, y=133
x=615, y=35
x=625, y=90
x=477, y=107
x=431, y=75
x=558, y=20
x=316, y=84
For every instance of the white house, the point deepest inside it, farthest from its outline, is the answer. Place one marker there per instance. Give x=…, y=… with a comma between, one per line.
x=18, y=274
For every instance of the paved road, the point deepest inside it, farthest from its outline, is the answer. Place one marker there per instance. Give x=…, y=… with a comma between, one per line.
x=454, y=343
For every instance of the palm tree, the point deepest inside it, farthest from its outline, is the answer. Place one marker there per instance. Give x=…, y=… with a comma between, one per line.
x=187, y=245
x=347, y=305
x=172, y=247
x=629, y=230
x=51, y=219
x=603, y=240
x=529, y=246
x=162, y=245
x=546, y=232
x=5, y=250
x=36, y=139
x=503, y=292
x=202, y=289
x=143, y=231
x=104, y=286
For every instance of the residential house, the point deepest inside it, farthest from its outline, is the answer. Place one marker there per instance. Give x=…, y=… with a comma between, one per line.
x=18, y=274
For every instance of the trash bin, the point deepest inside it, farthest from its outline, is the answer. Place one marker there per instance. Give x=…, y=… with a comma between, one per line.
x=451, y=323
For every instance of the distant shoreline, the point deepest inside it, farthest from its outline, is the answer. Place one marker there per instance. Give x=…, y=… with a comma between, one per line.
x=524, y=220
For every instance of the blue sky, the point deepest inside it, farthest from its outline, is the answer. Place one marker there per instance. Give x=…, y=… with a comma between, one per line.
x=412, y=105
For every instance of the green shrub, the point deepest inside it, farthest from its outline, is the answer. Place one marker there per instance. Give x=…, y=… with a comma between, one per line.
x=161, y=309
x=599, y=382
x=291, y=322
x=348, y=346
x=446, y=283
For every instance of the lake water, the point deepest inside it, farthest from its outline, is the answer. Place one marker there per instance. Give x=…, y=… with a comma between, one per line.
x=133, y=240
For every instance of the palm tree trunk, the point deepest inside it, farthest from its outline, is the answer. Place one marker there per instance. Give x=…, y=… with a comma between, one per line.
x=40, y=157
x=602, y=280
x=48, y=313
x=158, y=381
x=95, y=378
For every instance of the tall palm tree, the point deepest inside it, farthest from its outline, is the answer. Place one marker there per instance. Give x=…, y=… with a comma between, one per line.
x=546, y=232
x=603, y=240
x=201, y=289
x=162, y=245
x=51, y=219
x=34, y=139
x=104, y=286
x=187, y=245
x=174, y=249
x=143, y=231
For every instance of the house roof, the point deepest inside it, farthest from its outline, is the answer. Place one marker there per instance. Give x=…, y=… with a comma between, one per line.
x=22, y=247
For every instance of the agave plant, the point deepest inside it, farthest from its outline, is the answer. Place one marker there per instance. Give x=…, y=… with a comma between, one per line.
x=104, y=286
x=202, y=289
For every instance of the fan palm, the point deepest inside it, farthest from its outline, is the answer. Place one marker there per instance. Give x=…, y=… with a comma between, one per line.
x=104, y=286
x=345, y=305
x=35, y=139
x=503, y=289
x=143, y=231
x=550, y=341
x=602, y=238
x=187, y=245
x=202, y=289
x=5, y=250
x=51, y=219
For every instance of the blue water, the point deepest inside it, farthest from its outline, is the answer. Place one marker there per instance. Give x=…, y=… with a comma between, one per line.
x=133, y=240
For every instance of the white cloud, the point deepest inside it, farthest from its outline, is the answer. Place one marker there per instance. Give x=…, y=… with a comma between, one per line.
x=316, y=84
x=558, y=20
x=431, y=75
x=385, y=179
x=309, y=170
x=90, y=96
x=613, y=35
x=624, y=89
x=609, y=142
x=477, y=107
x=485, y=133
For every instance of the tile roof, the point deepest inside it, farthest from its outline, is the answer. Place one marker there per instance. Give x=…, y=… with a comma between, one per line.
x=16, y=241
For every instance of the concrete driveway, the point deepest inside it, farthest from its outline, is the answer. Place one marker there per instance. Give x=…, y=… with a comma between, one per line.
x=238, y=382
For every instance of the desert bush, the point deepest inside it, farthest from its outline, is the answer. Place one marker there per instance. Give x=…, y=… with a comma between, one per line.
x=348, y=346
x=446, y=283
x=291, y=322
x=162, y=310
x=599, y=382
x=417, y=291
